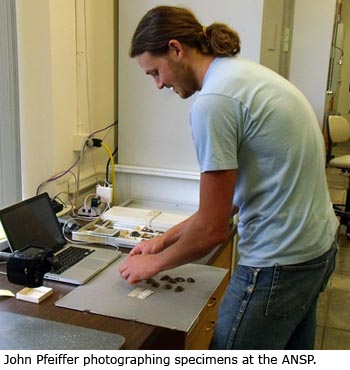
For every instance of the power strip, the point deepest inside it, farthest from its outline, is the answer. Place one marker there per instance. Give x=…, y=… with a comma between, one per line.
x=92, y=211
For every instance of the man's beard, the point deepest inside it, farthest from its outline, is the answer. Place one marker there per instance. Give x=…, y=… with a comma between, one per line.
x=187, y=83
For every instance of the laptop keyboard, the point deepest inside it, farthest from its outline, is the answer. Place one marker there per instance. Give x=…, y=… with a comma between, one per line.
x=70, y=256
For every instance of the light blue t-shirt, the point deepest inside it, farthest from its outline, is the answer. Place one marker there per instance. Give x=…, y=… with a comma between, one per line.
x=249, y=118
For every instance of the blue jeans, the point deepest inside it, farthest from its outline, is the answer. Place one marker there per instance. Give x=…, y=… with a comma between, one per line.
x=273, y=308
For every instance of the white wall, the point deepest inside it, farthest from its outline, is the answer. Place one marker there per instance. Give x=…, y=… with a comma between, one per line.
x=344, y=93
x=272, y=32
x=312, y=36
x=154, y=125
x=48, y=84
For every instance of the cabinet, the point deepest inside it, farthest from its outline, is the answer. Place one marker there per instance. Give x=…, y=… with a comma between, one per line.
x=201, y=333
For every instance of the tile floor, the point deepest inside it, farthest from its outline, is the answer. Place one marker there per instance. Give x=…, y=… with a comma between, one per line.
x=333, y=322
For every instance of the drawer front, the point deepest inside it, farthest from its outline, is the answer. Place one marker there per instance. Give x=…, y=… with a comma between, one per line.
x=202, y=332
x=202, y=335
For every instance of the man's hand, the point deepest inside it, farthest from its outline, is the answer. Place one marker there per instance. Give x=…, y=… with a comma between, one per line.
x=151, y=246
x=191, y=239
x=139, y=267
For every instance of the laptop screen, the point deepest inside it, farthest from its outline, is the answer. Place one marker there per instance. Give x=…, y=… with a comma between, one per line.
x=32, y=222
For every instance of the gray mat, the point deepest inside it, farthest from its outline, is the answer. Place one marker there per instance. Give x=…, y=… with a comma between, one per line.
x=107, y=294
x=18, y=332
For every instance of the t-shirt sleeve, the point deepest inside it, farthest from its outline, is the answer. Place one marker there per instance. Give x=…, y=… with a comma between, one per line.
x=215, y=132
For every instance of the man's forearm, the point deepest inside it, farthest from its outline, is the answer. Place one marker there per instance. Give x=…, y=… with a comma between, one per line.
x=172, y=235
x=197, y=240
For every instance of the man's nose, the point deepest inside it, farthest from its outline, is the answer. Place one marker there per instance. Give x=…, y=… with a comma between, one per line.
x=160, y=84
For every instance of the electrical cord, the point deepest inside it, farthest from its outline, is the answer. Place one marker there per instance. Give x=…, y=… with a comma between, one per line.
x=90, y=143
x=65, y=205
x=108, y=162
x=103, y=129
x=112, y=172
x=76, y=162
x=99, y=143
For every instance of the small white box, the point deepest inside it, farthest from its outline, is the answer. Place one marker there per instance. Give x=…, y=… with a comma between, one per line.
x=35, y=295
x=106, y=193
x=130, y=216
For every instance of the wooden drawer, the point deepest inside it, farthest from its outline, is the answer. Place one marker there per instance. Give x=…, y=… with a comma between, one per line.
x=202, y=332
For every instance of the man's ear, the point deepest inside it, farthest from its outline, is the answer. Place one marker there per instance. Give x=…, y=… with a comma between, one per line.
x=176, y=47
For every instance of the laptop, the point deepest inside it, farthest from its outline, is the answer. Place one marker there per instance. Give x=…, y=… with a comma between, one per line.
x=33, y=222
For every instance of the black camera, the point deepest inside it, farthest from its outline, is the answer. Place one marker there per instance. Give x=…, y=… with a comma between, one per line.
x=29, y=265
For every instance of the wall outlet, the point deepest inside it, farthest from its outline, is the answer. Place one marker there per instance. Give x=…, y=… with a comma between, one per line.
x=105, y=192
x=78, y=141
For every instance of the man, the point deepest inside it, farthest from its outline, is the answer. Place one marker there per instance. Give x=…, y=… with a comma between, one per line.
x=261, y=154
